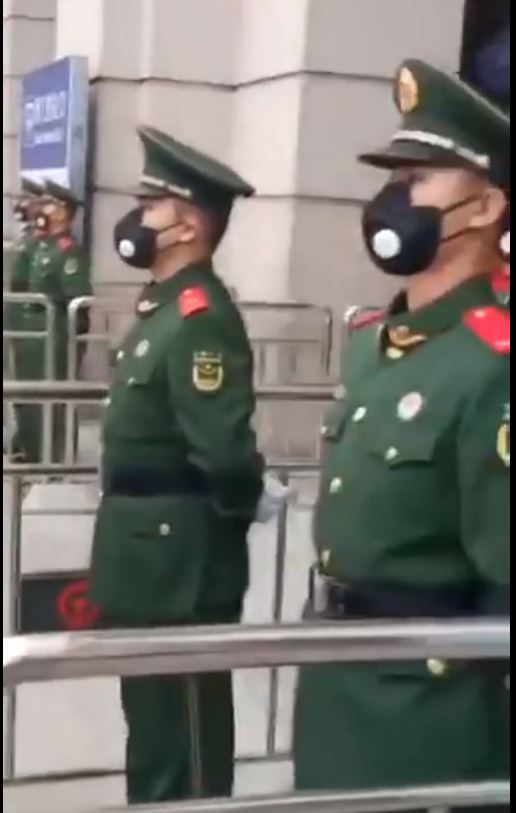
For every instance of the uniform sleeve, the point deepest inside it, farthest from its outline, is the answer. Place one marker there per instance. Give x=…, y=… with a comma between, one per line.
x=210, y=380
x=484, y=472
x=75, y=275
x=20, y=274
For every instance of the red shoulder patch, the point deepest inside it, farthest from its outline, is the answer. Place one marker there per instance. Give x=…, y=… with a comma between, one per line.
x=193, y=300
x=492, y=326
x=65, y=243
x=366, y=319
x=501, y=280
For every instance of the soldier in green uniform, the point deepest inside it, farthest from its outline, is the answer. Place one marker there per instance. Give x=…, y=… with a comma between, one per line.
x=25, y=214
x=25, y=243
x=56, y=267
x=182, y=477
x=413, y=513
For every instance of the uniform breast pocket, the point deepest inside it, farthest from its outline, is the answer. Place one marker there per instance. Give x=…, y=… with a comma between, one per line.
x=400, y=447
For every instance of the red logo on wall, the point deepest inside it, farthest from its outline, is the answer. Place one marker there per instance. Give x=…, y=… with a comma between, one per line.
x=75, y=608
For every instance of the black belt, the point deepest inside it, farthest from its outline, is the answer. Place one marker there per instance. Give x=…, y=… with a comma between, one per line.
x=141, y=482
x=380, y=600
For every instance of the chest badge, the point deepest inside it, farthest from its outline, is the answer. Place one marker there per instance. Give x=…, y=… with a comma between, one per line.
x=71, y=267
x=503, y=438
x=410, y=406
x=208, y=372
x=146, y=306
x=142, y=348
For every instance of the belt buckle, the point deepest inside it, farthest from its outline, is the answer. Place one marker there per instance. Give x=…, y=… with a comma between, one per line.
x=318, y=591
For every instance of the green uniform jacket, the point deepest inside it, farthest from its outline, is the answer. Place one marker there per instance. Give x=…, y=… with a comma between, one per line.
x=19, y=281
x=181, y=472
x=56, y=267
x=415, y=494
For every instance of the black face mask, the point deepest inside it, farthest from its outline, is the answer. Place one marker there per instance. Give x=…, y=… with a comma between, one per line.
x=136, y=244
x=403, y=239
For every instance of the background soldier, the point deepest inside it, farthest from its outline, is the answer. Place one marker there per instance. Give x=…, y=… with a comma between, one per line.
x=56, y=267
x=413, y=513
x=182, y=476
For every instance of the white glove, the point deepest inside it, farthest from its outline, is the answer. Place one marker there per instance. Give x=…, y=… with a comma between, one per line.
x=273, y=498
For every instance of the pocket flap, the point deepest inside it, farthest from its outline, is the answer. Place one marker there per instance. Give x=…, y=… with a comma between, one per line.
x=398, y=444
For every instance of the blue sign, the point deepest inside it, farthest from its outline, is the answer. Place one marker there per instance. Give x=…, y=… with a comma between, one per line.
x=55, y=123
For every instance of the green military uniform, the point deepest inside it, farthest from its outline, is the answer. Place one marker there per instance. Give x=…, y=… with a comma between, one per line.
x=57, y=268
x=23, y=250
x=413, y=512
x=182, y=478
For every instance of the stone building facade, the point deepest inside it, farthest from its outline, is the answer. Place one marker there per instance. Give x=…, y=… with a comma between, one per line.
x=288, y=91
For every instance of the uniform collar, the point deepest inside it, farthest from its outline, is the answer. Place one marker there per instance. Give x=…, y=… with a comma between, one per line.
x=157, y=294
x=405, y=330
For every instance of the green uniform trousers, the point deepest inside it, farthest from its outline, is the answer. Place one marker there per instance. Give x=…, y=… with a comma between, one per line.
x=29, y=365
x=181, y=738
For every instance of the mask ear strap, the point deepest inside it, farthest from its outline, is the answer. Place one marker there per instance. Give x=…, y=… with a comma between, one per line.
x=460, y=204
x=454, y=208
x=505, y=237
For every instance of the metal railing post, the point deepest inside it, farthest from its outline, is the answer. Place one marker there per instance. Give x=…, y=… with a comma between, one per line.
x=72, y=372
x=277, y=612
x=50, y=374
x=14, y=617
x=47, y=336
x=484, y=795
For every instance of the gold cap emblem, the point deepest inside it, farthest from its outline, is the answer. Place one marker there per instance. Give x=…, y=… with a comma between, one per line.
x=407, y=91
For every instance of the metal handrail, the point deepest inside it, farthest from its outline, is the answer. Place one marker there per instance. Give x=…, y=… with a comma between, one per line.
x=87, y=391
x=211, y=649
x=489, y=794
x=48, y=337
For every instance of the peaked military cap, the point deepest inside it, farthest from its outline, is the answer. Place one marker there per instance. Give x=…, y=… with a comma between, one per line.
x=445, y=123
x=32, y=188
x=173, y=169
x=61, y=193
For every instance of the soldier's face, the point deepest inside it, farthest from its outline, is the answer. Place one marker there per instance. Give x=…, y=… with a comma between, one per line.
x=168, y=217
x=445, y=189
x=57, y=215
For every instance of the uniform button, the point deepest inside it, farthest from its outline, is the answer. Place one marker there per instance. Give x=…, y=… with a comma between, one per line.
x=339, y=392
x=391, y=454
x=336, y=485
x=325, y=558
x=359, y=414
x=401, y=333
x=437, y=667
x=165, y=529
x=120, y=355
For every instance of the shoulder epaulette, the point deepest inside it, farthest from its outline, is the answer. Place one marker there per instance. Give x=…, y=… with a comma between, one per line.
x=192, y=301
x=65, y=243
x=492, y=326
x=362, y=320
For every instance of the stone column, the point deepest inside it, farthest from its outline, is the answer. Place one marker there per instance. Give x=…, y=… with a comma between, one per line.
x=352, y=50
x=164, y=63
x=29, y=42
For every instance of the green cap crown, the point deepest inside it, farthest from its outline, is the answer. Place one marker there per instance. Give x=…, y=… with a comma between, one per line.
x=32, y=188
x=445, y=122
x=175, y=169
x=60, y=193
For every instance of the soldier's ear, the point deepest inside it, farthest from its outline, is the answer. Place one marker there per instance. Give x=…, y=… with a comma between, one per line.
x=190, y=227
x=494, y=205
